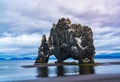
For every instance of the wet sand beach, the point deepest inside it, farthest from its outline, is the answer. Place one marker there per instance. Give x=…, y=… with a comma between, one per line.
x=82, y=78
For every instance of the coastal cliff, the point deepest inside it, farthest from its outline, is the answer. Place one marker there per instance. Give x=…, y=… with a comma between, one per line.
x=67, y=40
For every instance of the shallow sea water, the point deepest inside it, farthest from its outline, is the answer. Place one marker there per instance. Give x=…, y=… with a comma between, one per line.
x=11, y=70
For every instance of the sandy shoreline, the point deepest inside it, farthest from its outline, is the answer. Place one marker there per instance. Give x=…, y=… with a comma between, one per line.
x=81, y=78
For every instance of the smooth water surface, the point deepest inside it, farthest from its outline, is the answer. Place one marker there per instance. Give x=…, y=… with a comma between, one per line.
x=11, y=70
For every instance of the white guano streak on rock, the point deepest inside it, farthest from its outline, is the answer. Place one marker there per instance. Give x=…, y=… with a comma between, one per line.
x=79, y=42
x=69, y=30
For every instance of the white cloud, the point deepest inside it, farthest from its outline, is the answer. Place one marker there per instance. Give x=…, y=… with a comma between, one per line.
x=107, y=52
x=8, y=49
x=22, y=40
x=106, y=40
x=25, y=19
x=21, y=44
x=117, y=47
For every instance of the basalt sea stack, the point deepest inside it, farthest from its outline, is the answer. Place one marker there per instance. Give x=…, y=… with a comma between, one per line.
x=67, y=40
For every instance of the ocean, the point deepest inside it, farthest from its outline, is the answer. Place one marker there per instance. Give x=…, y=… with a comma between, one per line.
x=12, y=70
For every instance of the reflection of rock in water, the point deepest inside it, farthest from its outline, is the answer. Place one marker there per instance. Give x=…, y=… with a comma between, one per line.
x=42, y=72
x=63, y=71
x=46, y=72
x=86, y=70
x=60, y=71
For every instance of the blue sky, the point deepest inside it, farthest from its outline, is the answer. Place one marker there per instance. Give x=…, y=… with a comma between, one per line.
x=22, y=22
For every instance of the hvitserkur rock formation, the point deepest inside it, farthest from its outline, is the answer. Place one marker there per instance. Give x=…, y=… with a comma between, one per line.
x=67, y=40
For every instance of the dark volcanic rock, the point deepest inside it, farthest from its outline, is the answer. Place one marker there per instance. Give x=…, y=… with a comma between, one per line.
x=67, y=40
